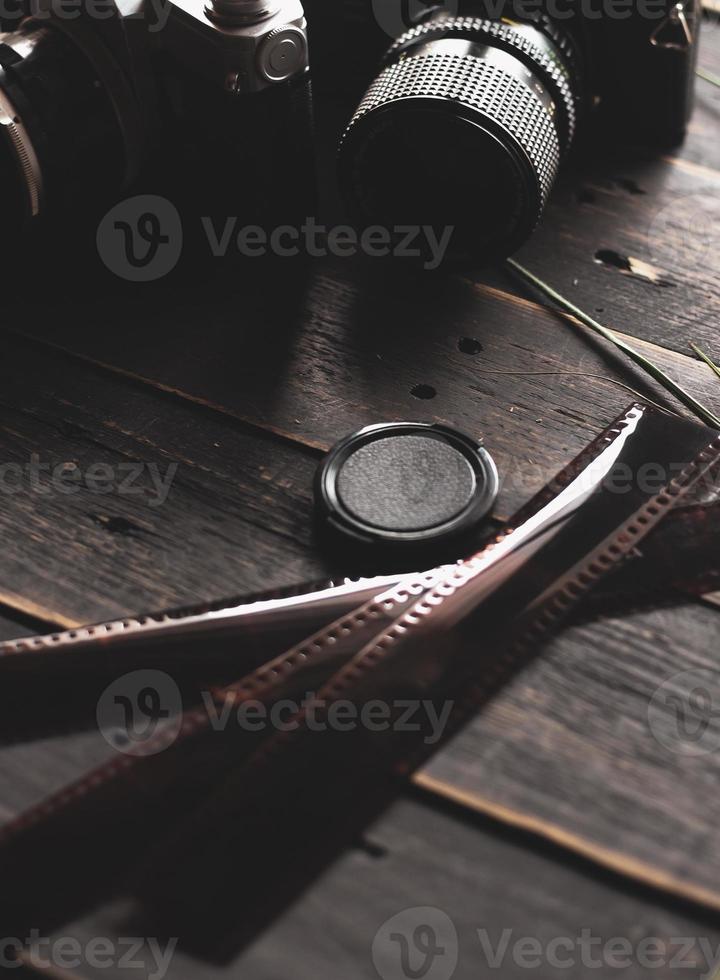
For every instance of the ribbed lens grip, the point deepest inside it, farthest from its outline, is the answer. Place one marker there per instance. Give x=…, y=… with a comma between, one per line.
x=483, y=90
x=553, y=67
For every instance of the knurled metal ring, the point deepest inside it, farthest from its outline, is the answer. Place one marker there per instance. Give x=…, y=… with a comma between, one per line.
x=506, y=38
x=24, y=151
x=492, y=92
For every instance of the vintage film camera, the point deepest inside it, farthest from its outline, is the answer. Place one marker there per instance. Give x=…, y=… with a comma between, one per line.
x=473, y=104
x=207, y=102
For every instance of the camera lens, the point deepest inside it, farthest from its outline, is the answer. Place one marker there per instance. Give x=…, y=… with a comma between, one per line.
x=464, y=127
x=15, y=194
x=61, y=146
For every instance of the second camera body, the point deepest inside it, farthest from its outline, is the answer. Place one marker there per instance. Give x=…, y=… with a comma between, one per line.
x=209, y=103
x=471, y=105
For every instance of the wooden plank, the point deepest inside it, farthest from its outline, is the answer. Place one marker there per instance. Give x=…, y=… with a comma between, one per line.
x=238, y=512
x=211, y=532
x=577, y=750
x=634, y=244
x=337, y=346
x=234, y=339
x=641, y=260
x=29, y=771
x=223, y=517
x=660, y=211
x=32, y=770
x=11, y=628
x=413, y=859
x=537, y=390
x=709, y=56
x=699, y=153
x=310, y=359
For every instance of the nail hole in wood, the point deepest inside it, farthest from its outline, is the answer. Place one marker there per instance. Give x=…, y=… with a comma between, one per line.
x=469, y=345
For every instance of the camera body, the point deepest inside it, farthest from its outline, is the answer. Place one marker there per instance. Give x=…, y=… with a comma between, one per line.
x=209, y=105
x=638, y=56
x=471, y=105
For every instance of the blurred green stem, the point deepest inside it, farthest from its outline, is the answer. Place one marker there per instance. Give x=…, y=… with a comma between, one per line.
x=708, y=76
x=708, y=417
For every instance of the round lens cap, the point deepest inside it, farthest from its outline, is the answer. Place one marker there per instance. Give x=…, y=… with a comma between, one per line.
x=405, y=485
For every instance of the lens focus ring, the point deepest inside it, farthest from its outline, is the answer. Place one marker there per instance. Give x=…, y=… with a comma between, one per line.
x=483, y=89
x=506, y=37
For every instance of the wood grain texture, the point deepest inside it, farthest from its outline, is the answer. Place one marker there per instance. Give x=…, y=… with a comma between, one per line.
x=577, y=750
x=236, y=515
x=415, y=858
x=661, y=209
x=633, y=244
x=242, y=378
x=10, y=628
x=238, y=511
x=144, y=564
x=356, y=349
x=30, y=770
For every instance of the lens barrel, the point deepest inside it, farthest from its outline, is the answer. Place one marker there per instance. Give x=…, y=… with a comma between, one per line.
x=464, y=127
x=61, y=148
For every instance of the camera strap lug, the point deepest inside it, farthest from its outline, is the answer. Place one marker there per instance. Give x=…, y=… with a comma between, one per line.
x=675, y=32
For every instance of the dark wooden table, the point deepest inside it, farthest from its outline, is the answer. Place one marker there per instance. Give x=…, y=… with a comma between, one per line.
x=557, y=810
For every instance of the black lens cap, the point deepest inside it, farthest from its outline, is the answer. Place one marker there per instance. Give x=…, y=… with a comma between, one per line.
x=405, y=486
